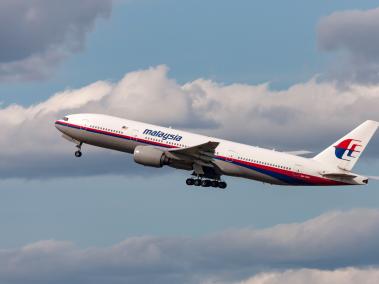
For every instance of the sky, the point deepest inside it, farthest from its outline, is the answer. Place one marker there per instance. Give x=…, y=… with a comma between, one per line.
x=287, y=75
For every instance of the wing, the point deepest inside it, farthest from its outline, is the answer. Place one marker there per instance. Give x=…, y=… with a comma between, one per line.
x=201, y=154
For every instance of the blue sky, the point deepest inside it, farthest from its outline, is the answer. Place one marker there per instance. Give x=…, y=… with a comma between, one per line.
x=228, y=47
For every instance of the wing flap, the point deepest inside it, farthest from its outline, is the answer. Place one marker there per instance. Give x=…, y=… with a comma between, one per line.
x=205, y=148
x=201, y=154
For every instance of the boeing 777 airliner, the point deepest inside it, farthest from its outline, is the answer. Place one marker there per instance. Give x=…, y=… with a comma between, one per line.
x=210, y=158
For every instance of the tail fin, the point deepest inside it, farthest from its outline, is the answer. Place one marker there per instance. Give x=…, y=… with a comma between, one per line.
x=345, y=152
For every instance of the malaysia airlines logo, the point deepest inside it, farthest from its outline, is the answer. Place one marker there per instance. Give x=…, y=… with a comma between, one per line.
x=162, y=135
x=349, y=146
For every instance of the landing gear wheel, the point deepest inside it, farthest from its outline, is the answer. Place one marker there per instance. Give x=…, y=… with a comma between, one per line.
x=214, y=183
x=78, y=154
x=205, y=183
x=197, y=182
x=222, y=184
x=190, y=181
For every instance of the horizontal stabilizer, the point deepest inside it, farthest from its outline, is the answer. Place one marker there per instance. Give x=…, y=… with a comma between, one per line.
x=339, y=175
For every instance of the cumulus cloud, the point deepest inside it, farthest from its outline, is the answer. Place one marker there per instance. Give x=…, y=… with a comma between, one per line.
x=331, y=241
x=357, y=34
x=36, y=35
x=309, y=115
x=314, y=276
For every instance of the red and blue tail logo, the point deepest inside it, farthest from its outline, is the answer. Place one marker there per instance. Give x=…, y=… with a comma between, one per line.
x=349, y=146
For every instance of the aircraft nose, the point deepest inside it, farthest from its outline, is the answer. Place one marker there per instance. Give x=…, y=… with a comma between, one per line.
x=58, y=125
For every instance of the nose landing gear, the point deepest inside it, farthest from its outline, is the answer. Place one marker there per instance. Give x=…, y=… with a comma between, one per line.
x=78, y=153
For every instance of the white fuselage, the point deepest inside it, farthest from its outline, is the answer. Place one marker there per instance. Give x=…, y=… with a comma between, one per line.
x=231, y=158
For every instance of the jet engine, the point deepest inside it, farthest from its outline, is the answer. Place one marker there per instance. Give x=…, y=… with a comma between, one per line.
x=150, y=156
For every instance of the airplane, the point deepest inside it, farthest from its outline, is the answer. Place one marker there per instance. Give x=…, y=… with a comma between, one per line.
x=210, y=158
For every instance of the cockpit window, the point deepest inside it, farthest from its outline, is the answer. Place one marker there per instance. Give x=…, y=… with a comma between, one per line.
x=65, y=118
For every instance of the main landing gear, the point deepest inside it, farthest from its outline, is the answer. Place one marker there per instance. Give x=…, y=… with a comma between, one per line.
x=78, y=153
x=206, y=183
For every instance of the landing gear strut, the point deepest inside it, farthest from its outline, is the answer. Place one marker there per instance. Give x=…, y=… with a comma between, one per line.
x=78, y=153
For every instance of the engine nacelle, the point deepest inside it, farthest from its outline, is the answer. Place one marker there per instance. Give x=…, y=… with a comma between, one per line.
x=150, y=156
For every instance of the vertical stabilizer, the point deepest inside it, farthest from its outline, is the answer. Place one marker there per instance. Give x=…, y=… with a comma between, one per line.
x=345, y=152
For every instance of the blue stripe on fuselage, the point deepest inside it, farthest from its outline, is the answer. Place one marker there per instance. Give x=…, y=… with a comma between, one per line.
x=279, y=176
x=282, y=177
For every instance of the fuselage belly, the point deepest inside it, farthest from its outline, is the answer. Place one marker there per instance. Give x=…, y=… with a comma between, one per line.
x=247, y=161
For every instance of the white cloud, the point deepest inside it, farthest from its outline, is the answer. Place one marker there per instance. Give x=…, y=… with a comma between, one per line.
x=314, y=276
x=36, y=35
x=331, y=241
x=308, y=115
x=356, y=33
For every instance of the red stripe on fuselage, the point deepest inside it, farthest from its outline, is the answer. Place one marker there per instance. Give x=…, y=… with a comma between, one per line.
x=307, y=179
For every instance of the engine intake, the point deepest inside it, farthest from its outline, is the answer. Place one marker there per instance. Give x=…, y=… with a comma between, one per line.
x=150, y=156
